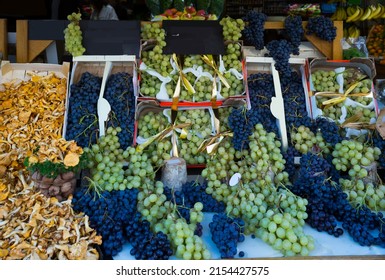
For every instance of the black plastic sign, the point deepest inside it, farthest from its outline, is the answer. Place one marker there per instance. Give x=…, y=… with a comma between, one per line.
x=111, y=37
x=100, y=37
x=189, y=37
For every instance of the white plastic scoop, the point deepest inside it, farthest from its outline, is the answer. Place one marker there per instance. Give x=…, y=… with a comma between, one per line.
x=104, y=106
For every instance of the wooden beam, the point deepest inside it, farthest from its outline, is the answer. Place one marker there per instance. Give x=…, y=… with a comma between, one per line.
x=337, y=47
x=37, y=47
x=27, y=50
x=3, y=38
x=22, y=41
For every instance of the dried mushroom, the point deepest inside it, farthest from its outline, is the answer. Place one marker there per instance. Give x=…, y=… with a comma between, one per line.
x=35, y=227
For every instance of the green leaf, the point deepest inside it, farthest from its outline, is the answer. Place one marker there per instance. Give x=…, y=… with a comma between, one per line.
x=203, y=4
x=153, y=6
x=164, y=5
x=189, y=3
x=217, y=7
x=179, y=5
x=52, y=170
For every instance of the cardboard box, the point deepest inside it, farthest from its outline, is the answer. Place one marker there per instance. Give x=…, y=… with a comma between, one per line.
x=164, y=97
x=364, y=66
x=154, y=106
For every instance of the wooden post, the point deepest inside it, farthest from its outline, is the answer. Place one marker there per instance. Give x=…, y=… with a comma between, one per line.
x=27, y=50
x=337, y=47
x=3, y=39
x=22, y=41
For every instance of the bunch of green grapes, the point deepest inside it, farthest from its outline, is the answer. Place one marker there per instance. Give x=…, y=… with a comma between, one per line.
x=233, y=57
x=232, y=28
x=273, y=213
x=236, y=86
x=153, y=31
x=304, y=140
x=361, y=193
x=363, y=86
x=367, y=115
x=195, y=61
x=184, y=242
x=232, y=60
x=333, y=112
x=203, y=85
x=362, y=100
x=265, y=162
x=151, y=123
x=149, y=85
x=282, y=225
x=325, y=81
x=203, y=90
x=224, y=113
x=354, y=157
x=139, y=171
x=152, y=202
x=73, y=35
x=107, y=163
x=154, y=59
x=200, y=129
x=163, y=216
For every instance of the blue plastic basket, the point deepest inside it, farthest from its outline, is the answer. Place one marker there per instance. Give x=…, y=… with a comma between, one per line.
x=328, y=8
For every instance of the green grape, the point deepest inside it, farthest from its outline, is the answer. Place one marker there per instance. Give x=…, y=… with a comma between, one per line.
x=73, y=36
x=360, y=192
x=200, y=129
x=153, y=31
x=304, y=140
x=232, y=28
x=354, y=157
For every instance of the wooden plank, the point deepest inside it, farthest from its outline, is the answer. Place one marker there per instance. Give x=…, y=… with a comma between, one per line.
x=22, y=41
x=337, y=48
x=323, y=46
x=274, y=25
x=27, y=50
x=37, y=47
x=3, y=39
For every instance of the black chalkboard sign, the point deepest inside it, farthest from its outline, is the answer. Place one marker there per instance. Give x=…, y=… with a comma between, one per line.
x=111, y=37
x=187, y=37
x=100, y=37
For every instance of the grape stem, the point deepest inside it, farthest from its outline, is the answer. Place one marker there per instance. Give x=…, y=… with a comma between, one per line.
x=88, y=127
x=92, y=185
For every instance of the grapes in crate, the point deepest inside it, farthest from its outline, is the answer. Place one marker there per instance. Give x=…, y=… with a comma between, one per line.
x=232, y=28
x=150, y=124
x=200, y=129
x=120, y=94
x=82, y=122
x=324, y=80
